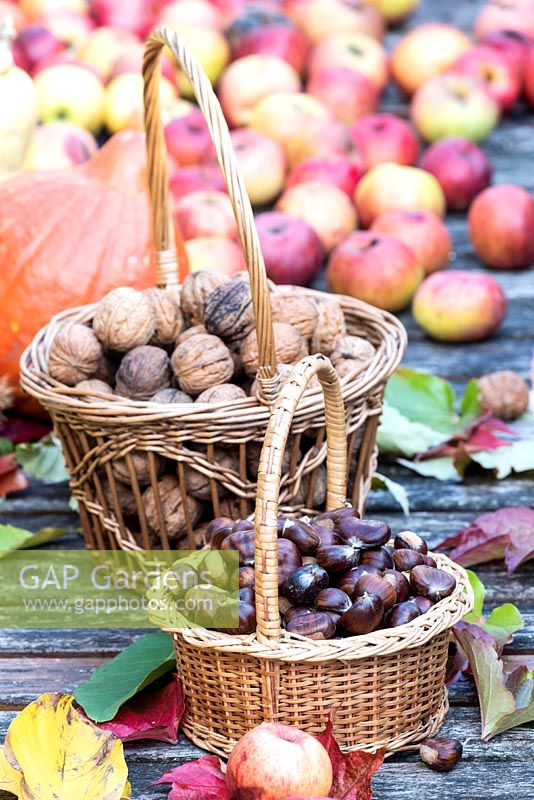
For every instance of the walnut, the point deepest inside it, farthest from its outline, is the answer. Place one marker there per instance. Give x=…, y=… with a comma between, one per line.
x=125, y=497
x=106, y=369
x=200, y=535
x=168, y=316
x=353, y=347
x=172, y=509
x=319, y=489
x=284, y=370
x=94, y=385
x=195, y=289
x=296, y=309
x=143, y=372
x=348, y=366
x=199, y=485
x=201, y=362
x=330, y=326
x=224, y=393
x=74, y=354
x=124, y=319
x=289, y=346
x=230, y=507
x=171, y=396
x=190, y=332
x=254, y=452
x=228, y=311
x=139, y=463
x=504, y=394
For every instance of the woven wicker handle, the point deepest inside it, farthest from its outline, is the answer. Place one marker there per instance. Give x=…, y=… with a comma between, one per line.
x=270, y=471
x=164, y=237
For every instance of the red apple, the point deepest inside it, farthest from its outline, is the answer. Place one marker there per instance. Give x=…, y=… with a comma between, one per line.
x=321, y=18
x=513, y=45
x=426, y=51
x=376, y=268
x=194, y=178
x=462, y=169
x=459, y=306
x=505, y=15
x=251, y=17
x=501, y=227
x=206, y=213
x=355, y=51
x=282, y=41
x=274, y=762
x=34, y=44
x=346, y=93
x=292, y=250
x=423, y=232
x=215, y=252
x=320, y=137
x=338, y=171
x=188, y=139
x=326, y=208
x=385, y=137
x=282, y=115
x=59, y=145
x=64, y=57
x=136, y=16
x=502, y=81
x=529, y=79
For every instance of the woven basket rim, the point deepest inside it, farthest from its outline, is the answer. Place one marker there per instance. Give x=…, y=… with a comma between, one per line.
x=290, y=647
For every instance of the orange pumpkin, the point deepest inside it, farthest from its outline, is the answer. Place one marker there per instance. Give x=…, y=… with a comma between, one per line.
x=68, y=237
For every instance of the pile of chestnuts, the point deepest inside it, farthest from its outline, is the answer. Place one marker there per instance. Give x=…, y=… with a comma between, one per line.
x=338, y=575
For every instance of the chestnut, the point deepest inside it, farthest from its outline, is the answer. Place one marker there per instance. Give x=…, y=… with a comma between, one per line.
x=405, y=560
x=309, y=560
x=422, y=603
x=347, y=582
x=408, y=540
x=327, y=536
x=429, y=561
x=376, y=585
x=333, y=600
x=337, y=557
x=363, y=532
x=400, y=583
x=364, y=616
x=328, y=518
x=243, y=542
x=246, y=595
x=247, y=620
x=247, y=577
x=432, y=583
x=401, y=614
x=379, y=558
x=317, y=625
x=243, y=525
x=302, y=535
x=283, y=605
x=217, y=530
x=296, y=611
x=441, y=754
x=305, y=583
x=289, y=559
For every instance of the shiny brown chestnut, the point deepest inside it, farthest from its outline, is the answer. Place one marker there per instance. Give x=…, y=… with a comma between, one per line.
x=401, y=614
x=246, y=595
x=347, y=582
x=317, y=625
x=246, y=577
x=327, y=536
x=217, y=530
x=243, y=542
x=243, y=525
x=247, y=620
x=302, y=535
x=376, y=585
x=283, y=605
x=296, y=611
x=408, y=540
x=429, y=561
x=379, y=558
x=305, y=583
x=334, y=600
x=364, y=616
x=405, y=560
x=432, y=583
x=328, y=518
x=309, y=560
x=289, y=559
x=337, y=557
x=441, y=754
x=424, y=604
x=400, y=583
x=363, y=532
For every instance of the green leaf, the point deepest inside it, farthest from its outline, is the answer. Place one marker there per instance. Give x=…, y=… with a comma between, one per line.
x=117, y=680
x=398, y=434
x=423, y=398
x=442, y=468
x=503, y=621
x=518, y=457
x=470, y=407
x=479, y=591
x=5, y=446
x=43, y=460
x=397, y=491
x=12, y=538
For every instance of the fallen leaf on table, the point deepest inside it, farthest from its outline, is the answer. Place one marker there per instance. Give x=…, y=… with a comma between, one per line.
x=441, y=468
x=12, y=479
x=23, y=429
x=9, y=778
x=12, y=538
x=398, y=434
x=501, y=623
x=43, y=459
x=352, y=771
x=202, y=779
x=59, y=753
x=119, y=679
x=482, y=435
x=517, y=457
x=395, y=489
x=154, y=713
x=505, y=702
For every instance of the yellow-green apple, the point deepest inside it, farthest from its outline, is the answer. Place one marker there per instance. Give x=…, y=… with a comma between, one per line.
x=355, y=51
x=462, y=169
x=505, y=15
x=262, y=162
x=501, y=227
x=381, y=138
x=292, y=250
x=199, y=13
x=206, y=213
x=375, y=268
x=188, y=138
x=529, y=79
x=124, y=101
x=33, y=44
x=194, y=178
x=421, y=231
x=249, y=79
x=339, y=171
x=346, y=93
x=321, y=137
x=103, y=47
x=393, y=187
x=282, y=114
x=136, y=16
x=71, y=93
x=513, y=45
x=321, y=18
x=70, y=27
x=395, y=11
x=36, y=9
x=274, y=762
x=424, y=52
x=59, y=145
x=18, y=101
x=131, y=60
x=459, y=306
x=210, y=48
x=454, y=105
x=501, y=80
x=215, y=252
x=281, y=40
x=325, y=207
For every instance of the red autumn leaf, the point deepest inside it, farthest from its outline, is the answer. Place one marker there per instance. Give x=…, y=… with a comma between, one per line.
x=352, y=771
x=23, y=429
x=154, y=713
x=12, y=479
x=482, y=435
x=202, y=779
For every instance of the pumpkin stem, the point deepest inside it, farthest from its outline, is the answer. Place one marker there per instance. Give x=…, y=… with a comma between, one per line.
x=7, y=35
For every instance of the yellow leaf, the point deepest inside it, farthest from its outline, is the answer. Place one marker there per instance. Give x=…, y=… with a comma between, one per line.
x=9, y=777
x=127, y=792
x=62, y=755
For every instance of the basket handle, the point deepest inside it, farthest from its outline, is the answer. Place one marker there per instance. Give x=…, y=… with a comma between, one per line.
x=269, y=476
x=164, y=237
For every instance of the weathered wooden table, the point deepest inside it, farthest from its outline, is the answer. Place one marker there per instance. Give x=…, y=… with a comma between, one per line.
x=33, y=662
